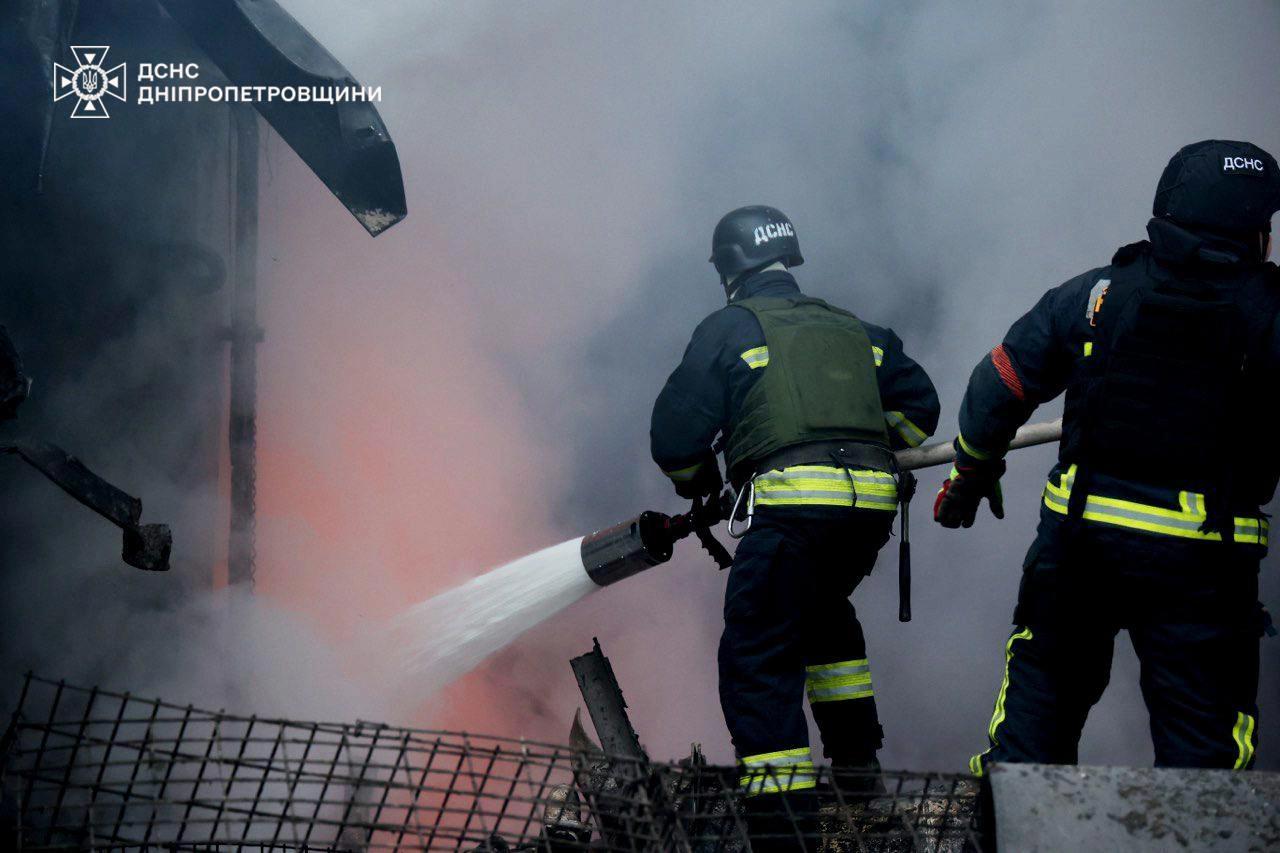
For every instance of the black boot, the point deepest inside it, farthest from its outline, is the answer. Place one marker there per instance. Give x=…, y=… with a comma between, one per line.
x=783, y=822
x=851, y=737
x=858, y=779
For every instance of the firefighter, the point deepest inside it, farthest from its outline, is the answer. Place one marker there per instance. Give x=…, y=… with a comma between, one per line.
x=810, y=401
x=1151, y=519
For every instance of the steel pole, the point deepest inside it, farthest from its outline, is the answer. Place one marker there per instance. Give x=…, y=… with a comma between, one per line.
x=245, y=335
x=942, y=453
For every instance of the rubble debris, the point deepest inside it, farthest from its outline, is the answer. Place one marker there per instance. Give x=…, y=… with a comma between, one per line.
x=88, y=767
x=146, y=546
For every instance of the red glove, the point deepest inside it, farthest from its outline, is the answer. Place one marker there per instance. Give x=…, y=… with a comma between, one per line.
x=962, y=492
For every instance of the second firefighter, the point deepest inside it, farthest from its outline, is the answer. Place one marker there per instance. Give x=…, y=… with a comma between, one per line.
x=1151, y=521
x=811, y=401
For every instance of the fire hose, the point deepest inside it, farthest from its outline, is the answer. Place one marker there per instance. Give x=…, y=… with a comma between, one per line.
x=647, y=540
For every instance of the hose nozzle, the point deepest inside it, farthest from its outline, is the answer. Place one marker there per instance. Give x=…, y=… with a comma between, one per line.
x=618, y=552
x=640, y=543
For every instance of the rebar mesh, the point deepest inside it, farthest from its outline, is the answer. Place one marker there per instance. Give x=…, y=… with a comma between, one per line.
x=93, y=769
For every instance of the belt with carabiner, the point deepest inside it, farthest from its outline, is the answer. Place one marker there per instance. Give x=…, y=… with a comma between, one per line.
x=849, y=456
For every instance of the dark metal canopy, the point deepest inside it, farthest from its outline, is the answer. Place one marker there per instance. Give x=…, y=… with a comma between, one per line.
x=346, y=144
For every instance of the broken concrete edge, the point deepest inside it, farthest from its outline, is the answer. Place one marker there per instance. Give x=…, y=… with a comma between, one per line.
x=1043, y=807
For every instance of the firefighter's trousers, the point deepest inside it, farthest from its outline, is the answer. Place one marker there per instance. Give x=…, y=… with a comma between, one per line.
x=790, y=629
x=1191, y=610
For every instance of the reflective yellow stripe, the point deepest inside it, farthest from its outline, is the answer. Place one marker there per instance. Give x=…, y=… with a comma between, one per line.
x=878, y=354
x=826, y=485
x=1191, y=502
x=840, y=691
x=997, y=716
x=772, y=772
x=911, y=434
x=757, y=357
x=1088, y=348
x=839, y=681
x=1184, y=523
x=968, y=448
x=684, y=473
x=778, y=757
x=842, y=667
x=1242, y=734
x=796, y=777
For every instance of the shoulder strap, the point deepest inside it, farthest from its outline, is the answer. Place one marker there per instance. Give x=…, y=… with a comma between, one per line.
x=1117, y=291
x=758, y=304
x=813, y=300
x=1125, y=278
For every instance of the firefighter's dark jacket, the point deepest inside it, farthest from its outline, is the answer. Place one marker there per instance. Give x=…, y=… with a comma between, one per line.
x=1044, y=354
x=705, y=393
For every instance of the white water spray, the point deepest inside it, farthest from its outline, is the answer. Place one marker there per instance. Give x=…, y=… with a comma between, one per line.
x=450, y=634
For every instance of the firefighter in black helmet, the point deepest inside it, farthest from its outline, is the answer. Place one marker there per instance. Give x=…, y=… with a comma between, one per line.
x=1151, y=519
x=811, y=401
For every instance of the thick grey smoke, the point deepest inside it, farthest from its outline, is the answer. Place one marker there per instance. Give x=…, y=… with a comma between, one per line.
x=944, y=165
x=115, y=293
x=476, y=383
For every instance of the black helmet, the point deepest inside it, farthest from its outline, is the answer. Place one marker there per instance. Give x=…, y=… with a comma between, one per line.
x=752, y=237
x=1220, y=185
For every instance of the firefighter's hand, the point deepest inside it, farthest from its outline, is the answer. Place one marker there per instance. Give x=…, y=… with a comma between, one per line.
x=705, y=482
x=962, y=492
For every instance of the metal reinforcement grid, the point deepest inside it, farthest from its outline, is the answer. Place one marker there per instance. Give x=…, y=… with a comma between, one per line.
x=85, y=768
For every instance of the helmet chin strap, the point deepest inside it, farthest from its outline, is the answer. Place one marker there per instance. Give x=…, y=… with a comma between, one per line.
x=727, y=282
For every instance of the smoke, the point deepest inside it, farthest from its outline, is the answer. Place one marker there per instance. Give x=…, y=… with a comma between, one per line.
x=115, y=294
x=565, y=164
x=475, y=384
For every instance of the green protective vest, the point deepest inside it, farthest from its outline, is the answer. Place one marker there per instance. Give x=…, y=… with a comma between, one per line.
x=819, y=385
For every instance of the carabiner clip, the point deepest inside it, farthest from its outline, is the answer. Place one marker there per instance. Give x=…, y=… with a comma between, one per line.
x=750, y=485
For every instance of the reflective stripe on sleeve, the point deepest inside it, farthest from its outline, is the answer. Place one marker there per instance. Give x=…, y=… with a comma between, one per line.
x=773, y=772
x=1184, y=523
x=1005, y=370
x=757, y=357
x=980, y=455
x=835, y=682
x=911, y=434
x=878, y=354
x=826, y=485
x=684, y=474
